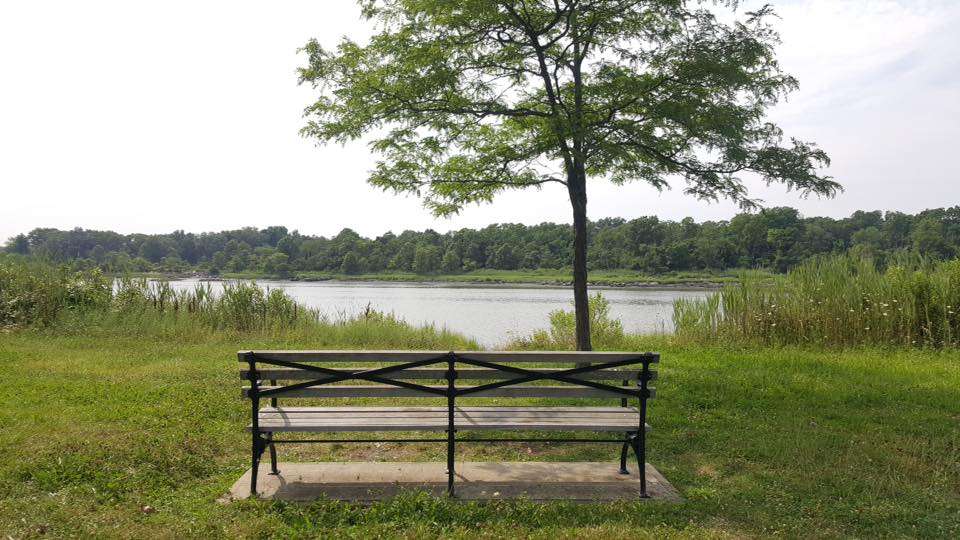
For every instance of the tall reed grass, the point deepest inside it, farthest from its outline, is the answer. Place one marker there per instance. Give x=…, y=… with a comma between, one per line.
x=833, y=301
x=238, y=306
x=33, y=293
x=155, y=308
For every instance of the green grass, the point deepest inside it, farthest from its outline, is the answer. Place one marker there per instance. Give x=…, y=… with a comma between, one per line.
x=614, y=278
x=100, y=419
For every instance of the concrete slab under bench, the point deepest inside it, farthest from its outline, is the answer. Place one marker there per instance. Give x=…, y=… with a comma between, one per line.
x=365, y=482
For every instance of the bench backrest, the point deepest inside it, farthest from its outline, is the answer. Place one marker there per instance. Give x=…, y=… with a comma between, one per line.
x=384, y=374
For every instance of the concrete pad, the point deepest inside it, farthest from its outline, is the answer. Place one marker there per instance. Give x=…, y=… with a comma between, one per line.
x=366, y=482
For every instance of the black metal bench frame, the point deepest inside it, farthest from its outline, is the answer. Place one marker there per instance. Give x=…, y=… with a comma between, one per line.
x=636, y=440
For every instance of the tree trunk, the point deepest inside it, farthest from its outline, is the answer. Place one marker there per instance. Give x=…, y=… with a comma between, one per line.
x=577, y=187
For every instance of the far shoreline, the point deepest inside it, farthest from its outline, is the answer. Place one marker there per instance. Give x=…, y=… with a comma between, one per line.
x=511, y=281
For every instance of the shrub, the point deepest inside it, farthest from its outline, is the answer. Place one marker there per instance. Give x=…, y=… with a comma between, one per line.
x=605, y=331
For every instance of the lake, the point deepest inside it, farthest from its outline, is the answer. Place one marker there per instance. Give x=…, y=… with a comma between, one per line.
x=491, y=314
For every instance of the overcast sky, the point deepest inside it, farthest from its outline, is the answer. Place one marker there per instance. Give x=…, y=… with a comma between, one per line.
x=155, y=116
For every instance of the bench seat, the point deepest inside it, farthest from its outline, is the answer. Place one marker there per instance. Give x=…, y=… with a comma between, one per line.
x=343, y=419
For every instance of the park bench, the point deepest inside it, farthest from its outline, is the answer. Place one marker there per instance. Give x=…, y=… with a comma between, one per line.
x=390, y=376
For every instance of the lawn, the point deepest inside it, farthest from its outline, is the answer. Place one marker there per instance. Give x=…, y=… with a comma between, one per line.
x=137, y=436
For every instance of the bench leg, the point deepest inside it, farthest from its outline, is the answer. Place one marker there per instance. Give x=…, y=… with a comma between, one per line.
x=257, y=451
x=450, y=464
x=623, y=454
x=273, y=455
x=639, y=449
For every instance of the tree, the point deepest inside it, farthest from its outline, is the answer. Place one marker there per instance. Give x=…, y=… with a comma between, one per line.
x=467, y=99
x=403, y=260
x=289, y=245
x=153, y=249
x=350, y=264
x=19, y=244
x=451, y=263
x=928, y=238
x=426, y=259
x=277, y=264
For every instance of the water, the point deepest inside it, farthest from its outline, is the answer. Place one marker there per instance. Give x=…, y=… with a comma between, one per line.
x=493, y=315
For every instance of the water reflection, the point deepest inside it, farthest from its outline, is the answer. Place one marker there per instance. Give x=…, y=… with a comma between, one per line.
x=492, y=315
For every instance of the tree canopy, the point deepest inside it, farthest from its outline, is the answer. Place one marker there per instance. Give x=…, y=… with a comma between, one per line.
x=462, y=99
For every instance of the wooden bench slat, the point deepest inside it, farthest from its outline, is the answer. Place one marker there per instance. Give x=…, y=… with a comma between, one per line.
x=478, y=418
x=383, y=391
x=403, y=409
x=292, y=374
x=442, y=427
x=399, y=409
x=562, y=357
x=443, y=413
x=565, y=357
x=443, y=417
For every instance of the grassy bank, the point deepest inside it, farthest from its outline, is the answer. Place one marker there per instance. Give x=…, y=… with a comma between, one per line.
x=135, y=431
x=611, y=278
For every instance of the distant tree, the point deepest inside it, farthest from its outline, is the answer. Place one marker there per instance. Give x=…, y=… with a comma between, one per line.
x=870, y=236
x=219, y=262
x=470, y=98
x=531, y=257
x=273, y=235
x=426, y=259
x=289, y=246
x=153, y=249
x=98, y=254
x=403, y=260
x=376, y=260
x=277, y=264
x=117, y=262
x=504, y=258
x=896, y=229
x=172, y=263
x=236, y=264
x=782, y=240
x=928, y=238
x=140, y=264
x=451, y=262
x=751, y=236
x=350, y=264
x=19, y=244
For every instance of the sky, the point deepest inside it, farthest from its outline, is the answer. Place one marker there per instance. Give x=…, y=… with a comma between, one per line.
x=155, y=116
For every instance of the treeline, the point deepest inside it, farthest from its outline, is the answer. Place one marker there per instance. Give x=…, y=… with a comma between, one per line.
x=775, y=238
